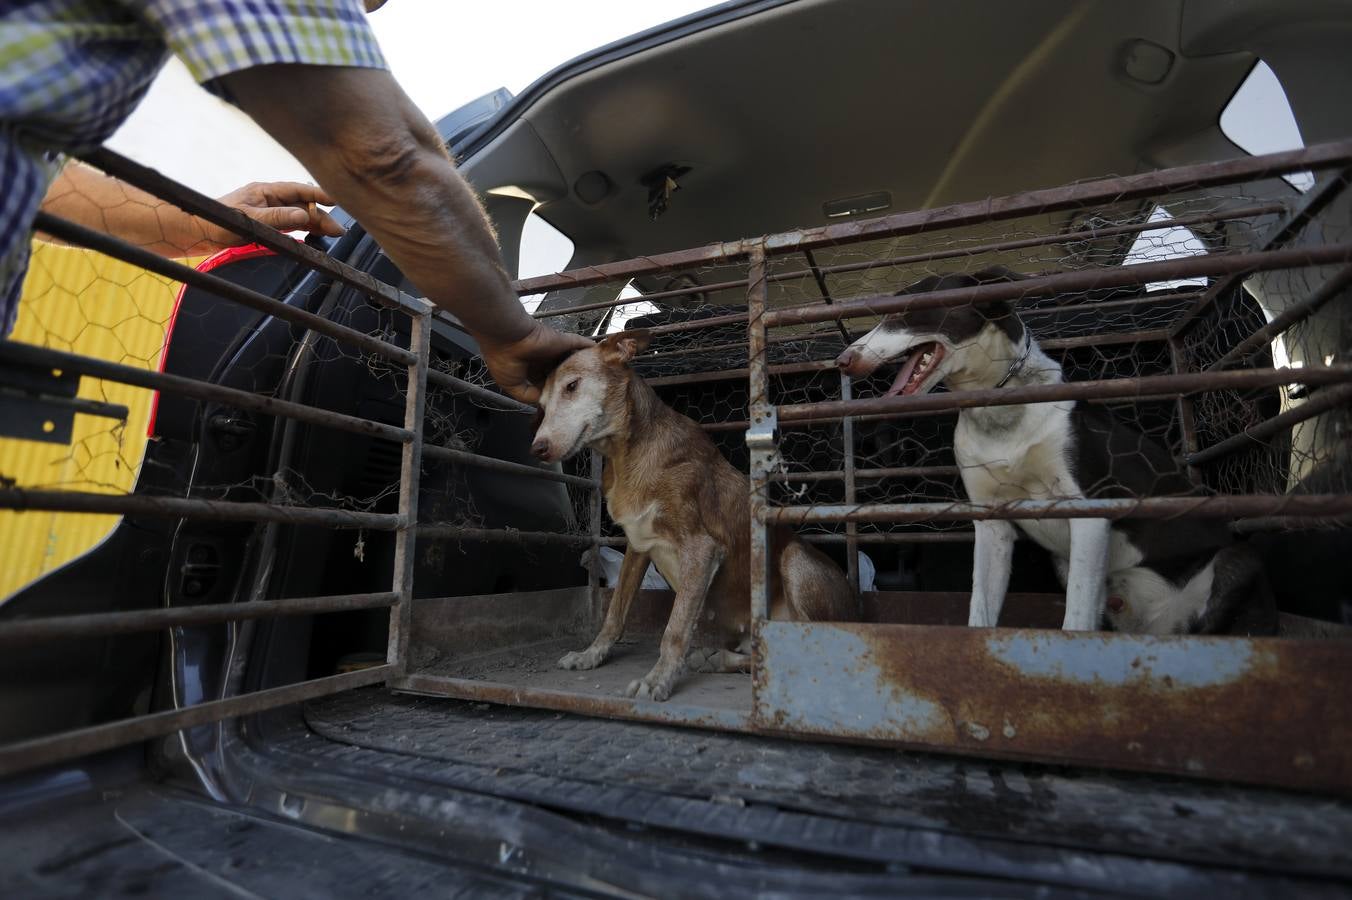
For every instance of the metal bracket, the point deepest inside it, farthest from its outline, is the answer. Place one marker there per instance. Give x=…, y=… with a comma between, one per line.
x=763, y=432
x=38, y=403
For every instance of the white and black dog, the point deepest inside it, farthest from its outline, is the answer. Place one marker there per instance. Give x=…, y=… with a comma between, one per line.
x=1158, y=577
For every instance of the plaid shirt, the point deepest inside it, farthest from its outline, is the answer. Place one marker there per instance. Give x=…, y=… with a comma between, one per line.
x=71, y=71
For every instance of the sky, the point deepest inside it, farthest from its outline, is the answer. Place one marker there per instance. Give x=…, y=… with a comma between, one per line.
x=443, y=53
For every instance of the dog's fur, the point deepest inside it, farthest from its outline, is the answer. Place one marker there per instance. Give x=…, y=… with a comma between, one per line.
x=682, y=505
x=1158, y=577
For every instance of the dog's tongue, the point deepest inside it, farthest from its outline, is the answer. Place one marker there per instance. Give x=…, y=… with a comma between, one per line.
x=904, y=375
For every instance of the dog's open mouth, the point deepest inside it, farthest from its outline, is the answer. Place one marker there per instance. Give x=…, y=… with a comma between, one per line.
x=920, y=364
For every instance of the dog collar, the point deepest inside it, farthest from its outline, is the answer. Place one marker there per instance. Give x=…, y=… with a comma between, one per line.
x=1017, y=364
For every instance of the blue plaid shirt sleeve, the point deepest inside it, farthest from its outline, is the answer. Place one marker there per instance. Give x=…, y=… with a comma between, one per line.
x=217, y=37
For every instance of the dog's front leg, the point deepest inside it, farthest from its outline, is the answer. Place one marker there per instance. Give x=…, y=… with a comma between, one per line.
x=991, y=559
x=700, y=559
x=1087, y=583
x=631, y=576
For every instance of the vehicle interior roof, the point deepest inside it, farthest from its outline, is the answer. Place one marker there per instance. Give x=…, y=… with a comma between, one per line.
x=782, y=111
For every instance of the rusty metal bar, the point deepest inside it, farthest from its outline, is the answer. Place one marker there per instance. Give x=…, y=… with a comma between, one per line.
x=1319, y=402
x=1089, y=193
x=847, y=458
x=460, y=385
x=1311, y=205
x=30, y=355
x=936, y=255
x=868, y=474
x=19, y=632
x=217, y=213
x=410, y=472
x=595, y=521
x=761, y=437
x=1185, y=409
x=1122, y=388
x=51, y=749
x=1217, y=507
x=820, y=278
x=894, y=537
x=1051, y=344
x=1097, y=306
x=81, y=405
x=464, y=457
x=228, y=290
x=1068, y=282
x=27, y=500
x=1283, y=321
x=502, y=535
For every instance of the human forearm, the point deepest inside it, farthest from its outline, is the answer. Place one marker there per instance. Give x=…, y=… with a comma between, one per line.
x=384, y=162
x=94, y=200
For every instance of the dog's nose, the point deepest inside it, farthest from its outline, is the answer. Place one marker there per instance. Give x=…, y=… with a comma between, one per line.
x=540, y=448
x=846, y=360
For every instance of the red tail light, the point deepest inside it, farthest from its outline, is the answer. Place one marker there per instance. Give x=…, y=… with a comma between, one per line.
x=228, y=255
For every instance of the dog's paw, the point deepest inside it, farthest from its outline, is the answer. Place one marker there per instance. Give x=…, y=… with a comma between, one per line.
x=582, y=659
x=649, y=687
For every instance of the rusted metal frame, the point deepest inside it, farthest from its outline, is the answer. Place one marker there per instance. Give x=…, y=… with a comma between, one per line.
x=1283, y=321
x=595, y=522
x=820, y=278
x=1120, y=388
x=1263, y=710
x=1100, y=306
x=1068, y=282
x=410, y=473
x=761, y=434
x=464, y=457
x=938, y=255
x=1319, y=402
x=1310, y=206
x=502, y=535
x=1289, y=523
x=868, y=474
x=1052, y=344
x=894, y=537
x=81, y=405
x=29, y=500
x=1185, y=409
x=1089, y=193
x=214, y=284
x=848, y=471
x=739, y=345
x=31, y=355
x=20, y=632
x=217, y=213
x=478, y=392
x=51, y=749
x=1230, y=506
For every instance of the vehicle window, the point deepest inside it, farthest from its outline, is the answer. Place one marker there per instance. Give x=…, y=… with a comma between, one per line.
x=623, y=314
x=544, y=251
x=1165, y=242
x=1258, y=119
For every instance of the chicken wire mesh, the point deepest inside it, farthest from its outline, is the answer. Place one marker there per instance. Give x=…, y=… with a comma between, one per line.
x=698, y=363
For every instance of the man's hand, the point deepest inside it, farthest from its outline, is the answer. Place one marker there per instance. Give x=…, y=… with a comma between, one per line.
x=521, y=367
x=285, y=205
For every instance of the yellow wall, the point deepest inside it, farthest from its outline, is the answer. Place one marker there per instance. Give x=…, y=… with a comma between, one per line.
x=79, y=301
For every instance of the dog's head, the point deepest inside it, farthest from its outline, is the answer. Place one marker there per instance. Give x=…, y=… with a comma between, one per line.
x=930, y=343
x=581, y=398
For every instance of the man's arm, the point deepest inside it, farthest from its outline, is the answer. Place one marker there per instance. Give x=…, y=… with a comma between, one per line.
x=370, y=148
x=90, y=198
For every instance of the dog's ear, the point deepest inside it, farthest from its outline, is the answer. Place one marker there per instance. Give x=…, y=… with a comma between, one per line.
x=623, y=346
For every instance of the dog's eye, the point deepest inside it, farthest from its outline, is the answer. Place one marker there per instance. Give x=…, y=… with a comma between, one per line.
x=571, y=386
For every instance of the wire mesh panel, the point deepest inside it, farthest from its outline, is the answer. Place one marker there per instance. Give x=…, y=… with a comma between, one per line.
x=1198, y=308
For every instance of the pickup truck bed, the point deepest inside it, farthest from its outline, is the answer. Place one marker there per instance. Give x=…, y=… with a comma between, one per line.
x=435, y=790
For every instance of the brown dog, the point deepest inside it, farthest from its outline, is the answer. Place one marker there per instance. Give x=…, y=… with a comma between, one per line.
x=682, y=505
